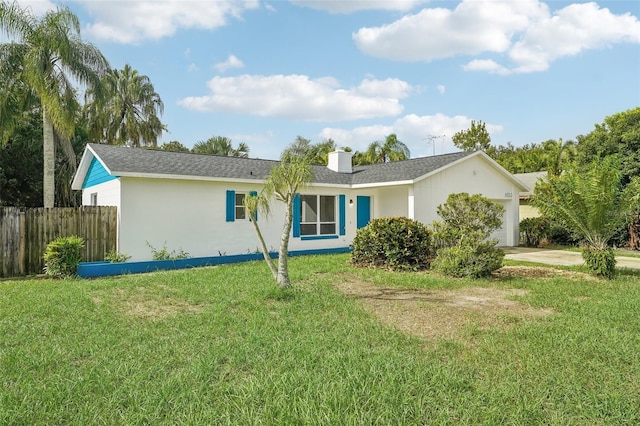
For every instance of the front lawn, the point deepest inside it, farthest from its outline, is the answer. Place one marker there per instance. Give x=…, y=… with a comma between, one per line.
x=222, y=345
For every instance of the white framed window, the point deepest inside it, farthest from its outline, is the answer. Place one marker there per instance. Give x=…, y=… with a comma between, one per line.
x=318, y=215
x=94, y=198
x=240, y=211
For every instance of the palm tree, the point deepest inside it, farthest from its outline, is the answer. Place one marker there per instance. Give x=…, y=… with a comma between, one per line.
x=128, y=113
x=220, y=145
x=594, y=205
x=391, y=149
x=282, y=184
x=557, y=154
x=41, y=62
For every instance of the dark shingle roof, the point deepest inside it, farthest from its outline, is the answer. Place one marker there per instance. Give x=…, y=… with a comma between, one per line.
x=125, y=161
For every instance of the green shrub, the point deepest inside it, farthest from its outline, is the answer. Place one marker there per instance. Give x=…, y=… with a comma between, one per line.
x=600, y=262
x=463, y=249
x=114, y=257
x=62, y=256
x=396, y=243
x=165, y=254
x=534, y=230
x=471, y=259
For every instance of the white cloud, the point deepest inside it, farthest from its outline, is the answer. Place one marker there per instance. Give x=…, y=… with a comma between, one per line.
x=349, y=6
x=441, y=89
x=231, y=62
x=38, y=7
x=300, y=98
x=523, y=32
x=192, y=67
x=133, y=21
x=424, y=135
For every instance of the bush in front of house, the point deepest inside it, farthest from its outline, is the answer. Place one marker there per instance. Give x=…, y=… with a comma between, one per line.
x=396, y=243
x=463, y=247
x=534, y=230
x=62, y=255
x=473, y=260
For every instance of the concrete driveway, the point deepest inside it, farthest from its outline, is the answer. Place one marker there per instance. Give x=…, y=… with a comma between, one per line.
x=561, y=257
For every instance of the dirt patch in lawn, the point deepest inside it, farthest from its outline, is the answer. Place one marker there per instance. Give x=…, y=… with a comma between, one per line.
x=147, y=303
x=433, y=314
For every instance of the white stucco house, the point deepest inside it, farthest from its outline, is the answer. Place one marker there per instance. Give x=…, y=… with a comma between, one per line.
x=194, y=202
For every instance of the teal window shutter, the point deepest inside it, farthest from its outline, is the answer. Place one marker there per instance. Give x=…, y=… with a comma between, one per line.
x=342, y=214
x=254, y=194
x=231, y=205
x=296, y=215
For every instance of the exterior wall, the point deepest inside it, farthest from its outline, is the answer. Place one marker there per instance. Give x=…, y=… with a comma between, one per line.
x=108, y=194
x=191, y=216
x=390, y=201
x=474, y=176
x=527, y=210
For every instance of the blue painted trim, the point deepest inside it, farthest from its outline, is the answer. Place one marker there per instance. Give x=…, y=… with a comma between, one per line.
x=254, y=194
x=104, y=269
x=342, y=213
x=319, y=237
x=96, y=174
x=363, y=210
x=231, y=205
x=296, y=215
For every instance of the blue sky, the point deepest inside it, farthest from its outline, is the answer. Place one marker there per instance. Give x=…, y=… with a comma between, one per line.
x=264, y=72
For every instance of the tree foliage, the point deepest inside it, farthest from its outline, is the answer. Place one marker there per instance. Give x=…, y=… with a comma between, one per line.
x=302, y=149
x=220, y=145
x=392, y=149
x=42, y=61
x=475, y=138
x=125, y=110
x=284, y=182
x=174, y=146
x=619, y=135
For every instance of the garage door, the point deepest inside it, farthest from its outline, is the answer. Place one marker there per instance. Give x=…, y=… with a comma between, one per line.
x=501, y=234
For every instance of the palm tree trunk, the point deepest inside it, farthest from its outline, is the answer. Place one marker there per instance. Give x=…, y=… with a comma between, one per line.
x=283, y=254
x=265, y=251
x=49, y=153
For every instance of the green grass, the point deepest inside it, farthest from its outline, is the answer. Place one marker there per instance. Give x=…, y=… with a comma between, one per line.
x=223, y=346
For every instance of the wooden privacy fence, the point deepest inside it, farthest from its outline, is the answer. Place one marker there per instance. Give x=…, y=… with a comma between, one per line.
x=25, y=233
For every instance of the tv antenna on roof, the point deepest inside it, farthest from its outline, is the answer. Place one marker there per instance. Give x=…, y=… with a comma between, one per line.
x=431, y=139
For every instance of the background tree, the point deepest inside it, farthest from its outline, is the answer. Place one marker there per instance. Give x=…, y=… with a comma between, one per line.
x=303, y=150
x=220, y=145
x=42, y=60
x=558, y=154
x=128, y=113
x=618, y=134
x=21, y=163
x=392, y=149
x=283, y=183
x=174, y=146
x=594, y=204
x=476, y=138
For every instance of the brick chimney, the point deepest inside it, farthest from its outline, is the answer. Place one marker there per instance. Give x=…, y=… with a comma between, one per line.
x=340, y=161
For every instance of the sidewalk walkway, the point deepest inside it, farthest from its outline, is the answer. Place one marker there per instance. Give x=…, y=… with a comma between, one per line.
x=561, y=257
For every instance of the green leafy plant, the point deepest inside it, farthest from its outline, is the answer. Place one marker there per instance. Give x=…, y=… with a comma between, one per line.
x=164, y=253
x=464, y=249
x=62, y=255
x=534, y=230
x=594, y=204
x=396, y=243
x=473, y=260
x=114, y=257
